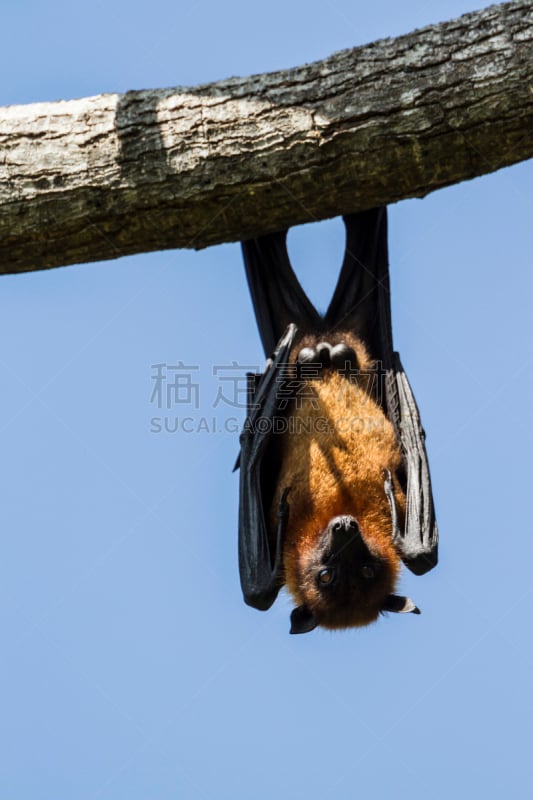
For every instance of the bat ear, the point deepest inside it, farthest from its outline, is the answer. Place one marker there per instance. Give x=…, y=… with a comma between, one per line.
x=303, y=620
x=402, y=605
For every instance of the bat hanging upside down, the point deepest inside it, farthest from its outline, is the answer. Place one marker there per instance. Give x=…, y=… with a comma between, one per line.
x=335, y=489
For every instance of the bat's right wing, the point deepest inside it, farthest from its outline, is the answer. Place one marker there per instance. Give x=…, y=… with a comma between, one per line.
x=259, y=562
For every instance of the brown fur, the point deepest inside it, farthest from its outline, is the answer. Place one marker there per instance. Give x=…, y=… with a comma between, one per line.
x=334, y=464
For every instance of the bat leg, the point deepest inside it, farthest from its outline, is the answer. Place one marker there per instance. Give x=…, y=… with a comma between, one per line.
x=277, y=296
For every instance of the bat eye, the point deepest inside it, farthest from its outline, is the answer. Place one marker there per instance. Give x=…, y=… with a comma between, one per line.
x=368, y=572
x=325, y=576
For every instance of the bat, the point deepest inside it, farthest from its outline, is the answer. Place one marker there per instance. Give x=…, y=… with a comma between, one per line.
x=335, y=490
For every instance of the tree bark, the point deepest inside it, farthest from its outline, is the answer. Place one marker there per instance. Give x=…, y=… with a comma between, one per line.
x=106, y=176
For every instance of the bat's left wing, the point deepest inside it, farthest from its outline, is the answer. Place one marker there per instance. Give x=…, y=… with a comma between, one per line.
x=418, y=542
x=259, y=562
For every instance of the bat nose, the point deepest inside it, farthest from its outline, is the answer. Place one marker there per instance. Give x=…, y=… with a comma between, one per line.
x=344, y=525
x=345, y=539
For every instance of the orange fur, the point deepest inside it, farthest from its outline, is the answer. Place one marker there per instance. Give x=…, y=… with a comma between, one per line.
x=334, y=464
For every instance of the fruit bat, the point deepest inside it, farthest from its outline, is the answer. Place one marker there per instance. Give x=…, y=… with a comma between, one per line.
x=335, y=490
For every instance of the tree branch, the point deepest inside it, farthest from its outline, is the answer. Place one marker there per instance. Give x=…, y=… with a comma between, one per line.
x=112, y=175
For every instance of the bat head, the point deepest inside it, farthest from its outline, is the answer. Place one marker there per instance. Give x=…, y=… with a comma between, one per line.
x=343, y=580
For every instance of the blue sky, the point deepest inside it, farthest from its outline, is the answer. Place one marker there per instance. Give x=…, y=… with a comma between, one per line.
x=130, y=666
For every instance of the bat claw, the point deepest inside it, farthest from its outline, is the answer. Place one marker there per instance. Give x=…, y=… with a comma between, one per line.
x=283, y=507
x=389, y=492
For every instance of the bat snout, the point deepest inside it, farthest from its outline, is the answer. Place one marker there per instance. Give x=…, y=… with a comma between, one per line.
x=343, y=536
x=344, y=525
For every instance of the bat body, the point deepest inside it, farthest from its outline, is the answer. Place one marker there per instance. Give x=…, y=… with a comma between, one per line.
x=335, y=490
x=334, y=463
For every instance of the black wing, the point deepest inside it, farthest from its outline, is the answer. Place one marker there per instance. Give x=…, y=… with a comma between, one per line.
x=259, y=563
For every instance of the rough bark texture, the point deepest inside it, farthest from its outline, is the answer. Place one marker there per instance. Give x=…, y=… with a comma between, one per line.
x=107, y=176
